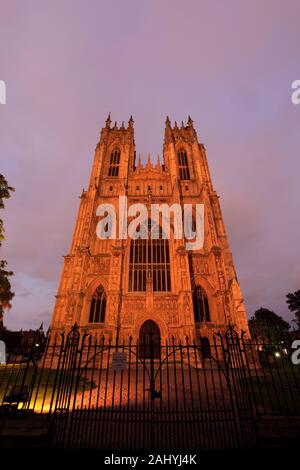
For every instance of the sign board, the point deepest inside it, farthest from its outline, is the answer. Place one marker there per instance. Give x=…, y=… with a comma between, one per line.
x=119, y=361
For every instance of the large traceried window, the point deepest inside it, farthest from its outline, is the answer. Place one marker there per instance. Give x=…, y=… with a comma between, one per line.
x=183, y=164
x=201, y=307
x=98, y=306
x=149, y=260
x=114, y=163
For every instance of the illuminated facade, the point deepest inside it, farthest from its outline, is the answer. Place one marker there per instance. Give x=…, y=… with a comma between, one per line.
x=129, y=287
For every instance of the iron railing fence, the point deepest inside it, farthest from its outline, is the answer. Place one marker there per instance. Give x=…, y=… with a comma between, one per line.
x=152, y=394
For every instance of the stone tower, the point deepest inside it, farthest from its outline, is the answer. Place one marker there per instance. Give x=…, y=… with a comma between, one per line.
x=123, y=287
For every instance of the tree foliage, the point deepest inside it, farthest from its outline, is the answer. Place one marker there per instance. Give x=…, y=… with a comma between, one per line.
x=293, y=301
x=6, y=294
x=265, y=322
x=5, y=288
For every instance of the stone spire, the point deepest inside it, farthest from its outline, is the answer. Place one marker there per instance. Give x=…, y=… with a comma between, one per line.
x=108, y=121
x=149, y=163
x=158, y=164
x=190, y=121
x=140, y=162
x=130, y=122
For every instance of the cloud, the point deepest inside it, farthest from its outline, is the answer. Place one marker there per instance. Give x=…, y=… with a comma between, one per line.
x=229, y=66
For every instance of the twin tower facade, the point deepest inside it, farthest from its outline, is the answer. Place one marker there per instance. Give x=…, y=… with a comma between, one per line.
x=124, y=287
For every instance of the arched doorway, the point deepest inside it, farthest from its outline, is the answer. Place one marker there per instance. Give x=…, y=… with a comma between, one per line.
x=149, y=339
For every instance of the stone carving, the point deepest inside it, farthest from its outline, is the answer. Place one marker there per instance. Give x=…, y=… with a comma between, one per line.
x=114, y=305
x=184, y=278
x=136, y=305
x=220, y=271
x=101, y=265
x=212, y=229
x=78, y=261
x=128, y=317
x=168, y=308
x=76, y=281
x=186, y=306
x=200, y=266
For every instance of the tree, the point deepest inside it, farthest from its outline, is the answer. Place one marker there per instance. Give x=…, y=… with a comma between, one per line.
x=5, y=191
x=6, y=294
x=265, y=322
x=293, y=301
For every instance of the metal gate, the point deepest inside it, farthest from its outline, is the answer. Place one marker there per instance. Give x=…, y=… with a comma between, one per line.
x=185, y=395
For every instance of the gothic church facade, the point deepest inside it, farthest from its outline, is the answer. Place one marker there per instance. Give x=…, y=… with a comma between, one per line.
x=125, y=288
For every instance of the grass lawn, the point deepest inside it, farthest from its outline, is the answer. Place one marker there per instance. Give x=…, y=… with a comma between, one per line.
x=40, y=382
x=275, y=389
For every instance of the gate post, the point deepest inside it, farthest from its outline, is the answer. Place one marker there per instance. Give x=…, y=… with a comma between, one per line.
x=236, y=368
x=66, y=373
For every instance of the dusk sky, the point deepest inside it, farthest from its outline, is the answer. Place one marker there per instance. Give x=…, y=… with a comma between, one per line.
x=229, y=64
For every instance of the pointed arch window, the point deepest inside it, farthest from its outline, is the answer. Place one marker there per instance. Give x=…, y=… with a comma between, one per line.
x=183, y=164
x=114, y=163
x=201, y=307
x=98, y=306
x=149, y=261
